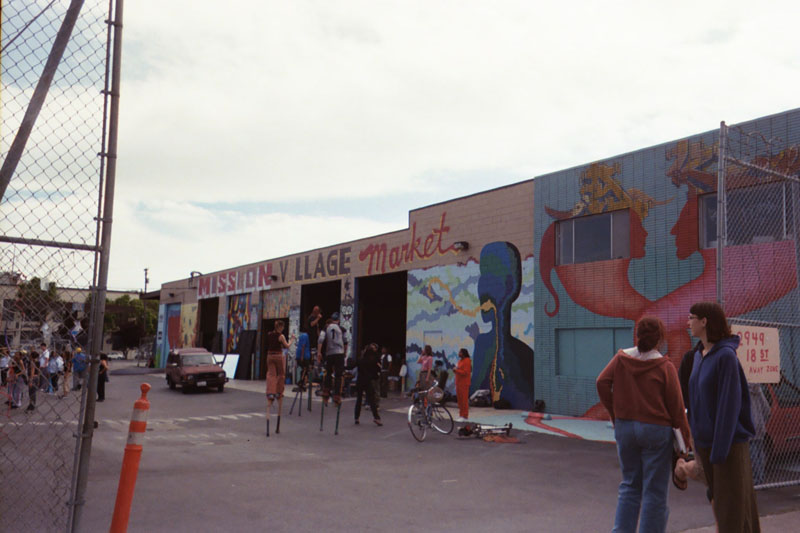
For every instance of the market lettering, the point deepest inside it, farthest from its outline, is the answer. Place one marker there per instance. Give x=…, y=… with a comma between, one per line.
x=334, y=263
x=416, y=248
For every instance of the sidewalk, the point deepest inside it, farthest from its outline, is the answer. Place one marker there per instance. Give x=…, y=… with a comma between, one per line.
x=776, y=523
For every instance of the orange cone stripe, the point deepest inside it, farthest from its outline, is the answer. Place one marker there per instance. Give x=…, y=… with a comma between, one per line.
x=138, y=427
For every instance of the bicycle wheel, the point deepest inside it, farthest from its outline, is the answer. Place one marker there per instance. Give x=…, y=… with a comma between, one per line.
x=441, y=419
x=417, y=422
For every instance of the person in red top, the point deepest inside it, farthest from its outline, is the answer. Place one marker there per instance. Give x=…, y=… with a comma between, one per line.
x=463, y=371
x=641, y=392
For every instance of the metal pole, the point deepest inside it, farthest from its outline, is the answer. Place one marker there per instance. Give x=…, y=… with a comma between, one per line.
x=102, y=278
x=39, y=95
x=722, y=233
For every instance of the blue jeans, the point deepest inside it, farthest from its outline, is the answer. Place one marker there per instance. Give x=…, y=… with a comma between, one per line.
x=645, y=457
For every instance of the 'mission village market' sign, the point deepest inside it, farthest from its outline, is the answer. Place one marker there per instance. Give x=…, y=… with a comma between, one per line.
x=325, y=264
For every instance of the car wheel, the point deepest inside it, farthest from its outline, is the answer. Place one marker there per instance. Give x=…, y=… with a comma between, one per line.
x=221, y=388
x=185, y=389
x=170, y=383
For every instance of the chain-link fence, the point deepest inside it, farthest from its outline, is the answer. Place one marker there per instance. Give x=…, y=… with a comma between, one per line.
x=54, y=202
x=758, y=216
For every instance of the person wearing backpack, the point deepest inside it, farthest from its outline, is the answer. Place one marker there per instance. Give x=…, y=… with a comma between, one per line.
x=80, y=368
x=331, y=345
x=302, y=357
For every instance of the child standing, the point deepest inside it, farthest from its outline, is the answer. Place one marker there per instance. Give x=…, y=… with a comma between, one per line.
x=463, y=373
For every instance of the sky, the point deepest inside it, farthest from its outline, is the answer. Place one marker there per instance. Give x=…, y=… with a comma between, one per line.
x=250, y=130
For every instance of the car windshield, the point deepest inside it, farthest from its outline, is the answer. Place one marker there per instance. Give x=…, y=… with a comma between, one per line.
x=198, y=359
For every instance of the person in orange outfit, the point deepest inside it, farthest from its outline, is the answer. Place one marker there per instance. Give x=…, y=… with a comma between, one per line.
x=463, y=373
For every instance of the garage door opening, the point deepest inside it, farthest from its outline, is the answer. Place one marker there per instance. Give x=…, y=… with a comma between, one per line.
x=207, y=331
x=326, y=295
x=382, y=313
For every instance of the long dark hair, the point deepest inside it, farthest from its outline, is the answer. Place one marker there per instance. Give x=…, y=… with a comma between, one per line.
x=717, y=327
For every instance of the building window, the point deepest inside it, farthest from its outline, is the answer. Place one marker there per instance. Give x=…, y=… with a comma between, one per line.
x=585, y=352
x=755, y=215
x=593, y=238
x=8, y=309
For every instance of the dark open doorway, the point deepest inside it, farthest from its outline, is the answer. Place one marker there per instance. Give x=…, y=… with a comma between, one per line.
x=209, y=308
x=327, y=295
x=382, y=312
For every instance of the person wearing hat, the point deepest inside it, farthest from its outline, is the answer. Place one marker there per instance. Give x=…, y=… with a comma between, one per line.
x=333, y=338
x=80, y=368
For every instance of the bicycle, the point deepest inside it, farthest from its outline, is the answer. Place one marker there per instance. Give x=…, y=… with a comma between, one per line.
x=426, y=412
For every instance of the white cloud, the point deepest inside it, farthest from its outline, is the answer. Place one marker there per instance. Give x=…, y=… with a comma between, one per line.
x=173, y=238
x=309, y=103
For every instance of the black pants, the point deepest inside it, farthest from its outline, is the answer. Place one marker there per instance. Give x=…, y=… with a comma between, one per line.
x=361, y=388
x=101, y=386
x=32, y=388
x=384, y=383
x=334, y=365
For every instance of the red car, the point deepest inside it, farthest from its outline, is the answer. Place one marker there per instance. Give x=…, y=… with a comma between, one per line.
x=783, y=426
x=192, y=368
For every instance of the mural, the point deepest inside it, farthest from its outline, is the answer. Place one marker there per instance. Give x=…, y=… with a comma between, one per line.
x=275, y=303
x=239, y=313
x=169, y=332
x=188, y=325
x=501, y=362
x=485, y=307
x=173, y=326
x=346, y=313
x=667, y=271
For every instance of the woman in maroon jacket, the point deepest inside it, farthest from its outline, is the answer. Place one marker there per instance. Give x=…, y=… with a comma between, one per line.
x=641, y=392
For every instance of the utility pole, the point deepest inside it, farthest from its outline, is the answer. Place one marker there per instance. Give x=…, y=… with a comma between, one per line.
x=144, y=317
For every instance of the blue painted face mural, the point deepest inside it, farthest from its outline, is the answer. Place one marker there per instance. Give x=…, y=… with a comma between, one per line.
x=502, y=363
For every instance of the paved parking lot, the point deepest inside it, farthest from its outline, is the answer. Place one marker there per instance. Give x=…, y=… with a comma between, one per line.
x=207, y=465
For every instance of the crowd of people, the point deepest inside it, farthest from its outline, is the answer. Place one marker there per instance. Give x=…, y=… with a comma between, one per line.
x=321, y=350
x=706, y=405
x=29, y=373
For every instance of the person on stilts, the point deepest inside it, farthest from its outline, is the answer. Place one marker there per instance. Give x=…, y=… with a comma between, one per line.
x=333, y=338
x=276, y=371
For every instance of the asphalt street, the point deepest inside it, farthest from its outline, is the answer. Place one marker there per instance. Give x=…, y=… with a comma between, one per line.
x=207, y=465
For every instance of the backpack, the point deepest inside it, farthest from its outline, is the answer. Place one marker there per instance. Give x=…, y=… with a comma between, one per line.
x=303, y=353
x=80, y=362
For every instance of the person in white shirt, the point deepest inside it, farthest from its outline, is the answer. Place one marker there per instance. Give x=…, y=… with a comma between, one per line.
x=44, y=362
x=56, y=369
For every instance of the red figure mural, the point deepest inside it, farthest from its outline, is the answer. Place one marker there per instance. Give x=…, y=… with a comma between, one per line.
x=755, y=274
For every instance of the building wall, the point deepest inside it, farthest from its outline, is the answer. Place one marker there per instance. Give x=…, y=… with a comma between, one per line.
x=500, y=214
x=587, y=310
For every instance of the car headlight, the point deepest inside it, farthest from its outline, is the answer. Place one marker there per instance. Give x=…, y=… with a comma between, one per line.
x=221, y=375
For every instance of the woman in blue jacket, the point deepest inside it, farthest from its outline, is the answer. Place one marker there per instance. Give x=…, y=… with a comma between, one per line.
x=719, y=415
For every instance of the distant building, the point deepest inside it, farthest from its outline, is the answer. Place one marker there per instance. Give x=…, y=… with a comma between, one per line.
x=60, y=327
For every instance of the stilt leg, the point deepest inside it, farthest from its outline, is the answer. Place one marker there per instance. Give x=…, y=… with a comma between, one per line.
x=280, y=410
x=300, y=407
x=338, y=410
x=321, y=414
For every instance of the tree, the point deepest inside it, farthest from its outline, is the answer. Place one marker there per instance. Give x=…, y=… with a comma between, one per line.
x=37, y=304
x=127, y=320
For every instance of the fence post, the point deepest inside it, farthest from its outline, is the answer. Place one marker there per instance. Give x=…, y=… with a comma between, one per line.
x=130, y=463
